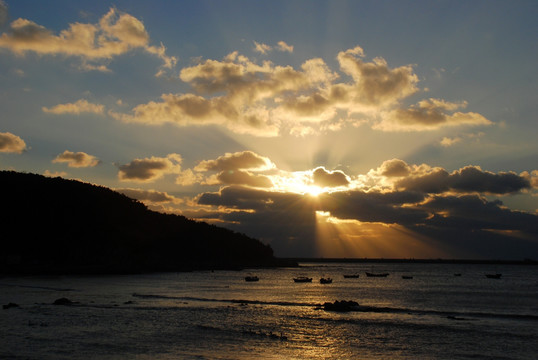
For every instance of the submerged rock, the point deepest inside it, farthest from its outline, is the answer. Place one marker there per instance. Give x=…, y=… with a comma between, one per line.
x=63, y=301
x=343, y=305
x=10, y=305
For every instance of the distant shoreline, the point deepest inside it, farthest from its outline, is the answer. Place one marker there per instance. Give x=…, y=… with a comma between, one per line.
x=413, y=261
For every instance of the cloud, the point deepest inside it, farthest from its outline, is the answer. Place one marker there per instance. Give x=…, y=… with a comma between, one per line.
x=232, y=168
x=242, y=160
x=151, y=196
x=76, y=159
x=240, y=177
x=264, y=48
x=10, y=143
x=394, y=168
x=115, y=34
x=465, y=180
x=324, y=178
x=150, y=169
x=282, y=46
x=429, y=114
x=264, y=99
x=78, y=107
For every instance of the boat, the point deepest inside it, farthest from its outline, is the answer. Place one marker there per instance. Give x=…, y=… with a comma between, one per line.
x=351, y=276
x=302, y=279
x=377, y=274
x=406, y=277
x=325, y=281
x=494, y=276
x=251, y=278
x=457, y=274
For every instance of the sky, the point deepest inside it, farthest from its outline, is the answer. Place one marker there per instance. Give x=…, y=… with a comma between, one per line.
x=368, y=129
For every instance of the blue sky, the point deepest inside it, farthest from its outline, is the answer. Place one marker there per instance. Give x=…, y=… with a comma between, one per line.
x=324, y=128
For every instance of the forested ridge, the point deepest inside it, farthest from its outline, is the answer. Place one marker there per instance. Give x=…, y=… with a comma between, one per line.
x=54, y=225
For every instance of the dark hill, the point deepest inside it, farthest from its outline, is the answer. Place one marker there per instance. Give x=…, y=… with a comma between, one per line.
x=53, y=225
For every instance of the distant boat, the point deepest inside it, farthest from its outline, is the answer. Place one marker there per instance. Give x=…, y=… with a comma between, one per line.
x=494, y=276
x=406, y=277
x=351, y=276
x=302, y=279
x=457, y=274
x=325, y=281
x=377, y=275
x=251, y=278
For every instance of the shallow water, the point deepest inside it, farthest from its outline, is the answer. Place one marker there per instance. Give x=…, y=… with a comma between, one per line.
x=217, y=315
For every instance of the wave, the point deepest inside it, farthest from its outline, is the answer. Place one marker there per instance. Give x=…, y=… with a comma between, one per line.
x=453, y=315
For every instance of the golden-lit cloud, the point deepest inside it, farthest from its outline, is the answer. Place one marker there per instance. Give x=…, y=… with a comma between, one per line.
x=10, y=143
x=264, y=48
x=115, y=34
x=264, y=99
x=78, y=107
x=151, y=196
x=76, y=159
x=324, y=178
x=236, y=161
x=150, y=169
x=429, y=114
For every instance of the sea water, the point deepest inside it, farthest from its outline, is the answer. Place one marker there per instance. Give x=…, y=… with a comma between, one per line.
x=218, y=315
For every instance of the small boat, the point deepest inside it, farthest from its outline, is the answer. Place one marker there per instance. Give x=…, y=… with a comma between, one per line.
x=251, y=278
x=325, y=281
x=377, y=275
x=302, y=279
x=341, y=306
x=406, y=277
x=457, y=274
x=494, y=276
x=351, y=276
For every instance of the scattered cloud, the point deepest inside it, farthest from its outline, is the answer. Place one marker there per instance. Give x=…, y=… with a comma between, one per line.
x=236, y=161
x=324, y=178
x=10, y=143
x=264, y=48
x=76, y=159
x=151, y=196
x=429, y=114
x=115, y=34
x=78, y=107
x=267, y=99
x=150, y=169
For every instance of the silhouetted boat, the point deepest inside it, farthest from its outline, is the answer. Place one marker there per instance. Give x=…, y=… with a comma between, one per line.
x=351, y=276
x=377, y=275
x=325, y=281
x=341, y=306
x=252, y=278
x=493, y=276
x=406, y=277
x=302, y=279
x=457, y=274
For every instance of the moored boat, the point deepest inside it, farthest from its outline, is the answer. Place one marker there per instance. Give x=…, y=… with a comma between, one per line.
x=251, y=278
x=351, y=276
x=377, y=274
x=325, y=281
x=406, y=277
x=302, y=279
x=493, y=276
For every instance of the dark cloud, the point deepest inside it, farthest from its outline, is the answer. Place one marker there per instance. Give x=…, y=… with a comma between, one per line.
x=324, y=178
x=150, y=169
x=467, y=179
x=237, y=161
x=240, y=177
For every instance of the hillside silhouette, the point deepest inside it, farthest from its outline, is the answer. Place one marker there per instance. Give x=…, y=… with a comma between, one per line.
x=54, y=225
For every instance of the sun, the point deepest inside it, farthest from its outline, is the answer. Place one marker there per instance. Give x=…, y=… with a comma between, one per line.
x=312, y=190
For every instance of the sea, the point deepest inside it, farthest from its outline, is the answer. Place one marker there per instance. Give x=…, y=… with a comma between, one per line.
x=444, y=311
